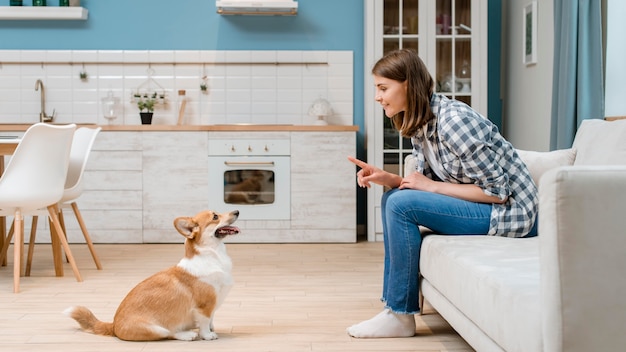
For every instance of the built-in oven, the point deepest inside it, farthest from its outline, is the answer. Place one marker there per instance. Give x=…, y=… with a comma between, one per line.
x=252, y=176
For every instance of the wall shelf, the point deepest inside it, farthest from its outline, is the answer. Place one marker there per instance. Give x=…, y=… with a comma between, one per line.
x=42, y=13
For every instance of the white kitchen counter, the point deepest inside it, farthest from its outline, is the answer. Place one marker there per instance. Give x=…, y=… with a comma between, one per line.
x=140, y=178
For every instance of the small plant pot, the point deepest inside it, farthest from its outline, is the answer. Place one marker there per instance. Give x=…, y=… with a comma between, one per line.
x=146, y=118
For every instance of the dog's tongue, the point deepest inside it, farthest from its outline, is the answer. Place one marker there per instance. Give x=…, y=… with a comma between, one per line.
x=227, y=230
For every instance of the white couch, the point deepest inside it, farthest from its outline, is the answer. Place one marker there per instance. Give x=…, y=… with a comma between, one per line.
x=561, y=291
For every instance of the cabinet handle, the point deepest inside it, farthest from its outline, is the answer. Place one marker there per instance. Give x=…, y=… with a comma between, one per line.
x=248, y=163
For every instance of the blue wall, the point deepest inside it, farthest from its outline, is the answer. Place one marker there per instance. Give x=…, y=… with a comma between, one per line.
x=191, y=24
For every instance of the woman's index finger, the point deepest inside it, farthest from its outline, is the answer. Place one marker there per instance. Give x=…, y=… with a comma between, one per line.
x=357, y=162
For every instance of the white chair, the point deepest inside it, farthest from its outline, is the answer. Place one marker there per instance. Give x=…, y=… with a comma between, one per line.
x=33, y=179
x=84, y=138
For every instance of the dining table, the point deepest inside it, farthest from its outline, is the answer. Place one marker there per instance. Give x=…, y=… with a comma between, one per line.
x=8, y=144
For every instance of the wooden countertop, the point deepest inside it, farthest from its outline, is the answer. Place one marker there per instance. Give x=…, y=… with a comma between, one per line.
x=225, y=127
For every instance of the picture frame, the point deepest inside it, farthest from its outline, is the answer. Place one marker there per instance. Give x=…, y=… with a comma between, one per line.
x=530, y=34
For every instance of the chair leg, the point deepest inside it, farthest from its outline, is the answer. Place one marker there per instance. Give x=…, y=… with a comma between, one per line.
x=62, y=223
x=57, y=253
x=3, y=227
x=79, y=217
x=5, y=245
x=17, y=250
x=53, y=211
x=31, y=245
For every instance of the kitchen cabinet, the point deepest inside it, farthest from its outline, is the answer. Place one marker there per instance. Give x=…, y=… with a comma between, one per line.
x=451, y=38
x=138, y=182
x=112, y=201
x=174, y=178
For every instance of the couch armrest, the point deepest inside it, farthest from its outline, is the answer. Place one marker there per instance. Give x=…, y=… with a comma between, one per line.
x=409, y=165
x=582, y=234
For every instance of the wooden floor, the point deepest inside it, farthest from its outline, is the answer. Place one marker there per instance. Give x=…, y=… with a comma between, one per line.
x=287, y=297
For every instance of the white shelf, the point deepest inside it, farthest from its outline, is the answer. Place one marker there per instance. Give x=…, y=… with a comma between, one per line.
x=42, y=13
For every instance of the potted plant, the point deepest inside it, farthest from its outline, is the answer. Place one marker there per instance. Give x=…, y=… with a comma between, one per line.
x=145, y=103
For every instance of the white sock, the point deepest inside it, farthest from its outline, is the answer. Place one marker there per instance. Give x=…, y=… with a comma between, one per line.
x=385, y=324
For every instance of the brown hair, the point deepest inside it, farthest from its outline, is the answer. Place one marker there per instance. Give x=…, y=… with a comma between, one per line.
x=405, y=65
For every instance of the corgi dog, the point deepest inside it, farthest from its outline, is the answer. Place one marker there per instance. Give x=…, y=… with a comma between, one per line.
x=180, y=302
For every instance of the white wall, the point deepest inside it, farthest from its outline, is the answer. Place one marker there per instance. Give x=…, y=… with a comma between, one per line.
x=615, y=96
x=527, y=90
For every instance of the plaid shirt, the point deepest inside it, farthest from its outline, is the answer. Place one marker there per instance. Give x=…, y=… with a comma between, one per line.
x=471, y=151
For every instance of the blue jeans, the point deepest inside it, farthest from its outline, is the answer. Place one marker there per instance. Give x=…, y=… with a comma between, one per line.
x=402, y=212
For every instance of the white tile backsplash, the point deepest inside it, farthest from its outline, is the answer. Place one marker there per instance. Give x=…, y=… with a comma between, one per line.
x=315, y=56
x=340, y=57
x=191, y=56
x=161, y=56
x=10, y=55
x=290, y=56
x=37, y=56
x=239, y=57
x=265, y=56
x=111, y=56
x=136, y=56
x=84, y=55
x=265, y=87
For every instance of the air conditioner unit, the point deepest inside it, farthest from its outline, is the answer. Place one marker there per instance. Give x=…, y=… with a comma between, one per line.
x=263, y=7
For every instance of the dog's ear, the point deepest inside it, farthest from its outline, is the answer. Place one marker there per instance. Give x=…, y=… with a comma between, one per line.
x=187, y=227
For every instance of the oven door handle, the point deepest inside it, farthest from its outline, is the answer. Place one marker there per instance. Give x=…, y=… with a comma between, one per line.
x=249, y=163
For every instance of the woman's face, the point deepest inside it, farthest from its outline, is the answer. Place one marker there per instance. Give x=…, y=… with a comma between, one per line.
x=391, y=95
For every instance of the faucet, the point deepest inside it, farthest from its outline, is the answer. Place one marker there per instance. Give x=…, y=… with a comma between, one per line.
x=42, y=115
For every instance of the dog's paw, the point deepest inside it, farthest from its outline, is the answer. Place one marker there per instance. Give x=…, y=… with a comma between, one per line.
x=211, y=335
x=188, y=335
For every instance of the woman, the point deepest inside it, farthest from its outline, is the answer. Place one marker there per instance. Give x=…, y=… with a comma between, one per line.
x=468, y=180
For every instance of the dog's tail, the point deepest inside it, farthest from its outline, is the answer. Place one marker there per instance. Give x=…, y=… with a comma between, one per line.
x=88, y=321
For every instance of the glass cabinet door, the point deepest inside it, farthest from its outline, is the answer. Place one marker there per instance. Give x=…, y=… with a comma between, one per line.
x=400, y=24
x=400, y=30
x=453, y=33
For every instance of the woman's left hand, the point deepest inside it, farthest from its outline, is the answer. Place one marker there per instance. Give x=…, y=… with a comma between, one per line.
x=416, y=181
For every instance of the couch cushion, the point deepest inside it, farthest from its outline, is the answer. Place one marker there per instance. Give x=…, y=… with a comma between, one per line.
x=540, y=162
x=600, y=142
x=493, y=280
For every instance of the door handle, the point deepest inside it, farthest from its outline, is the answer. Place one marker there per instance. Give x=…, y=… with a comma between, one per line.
x=249, y=163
